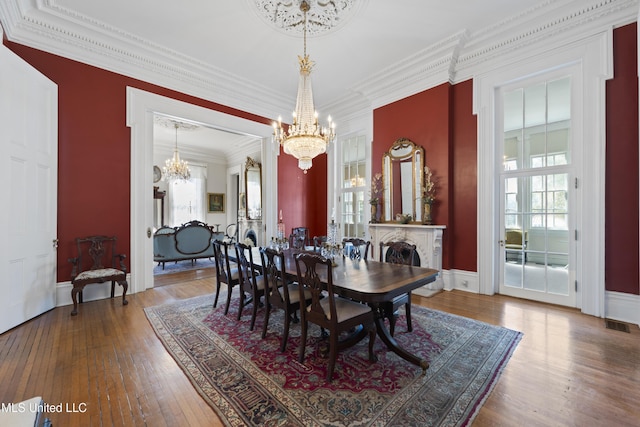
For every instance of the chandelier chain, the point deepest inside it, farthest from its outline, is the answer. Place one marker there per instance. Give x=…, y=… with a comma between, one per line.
x=305, y=138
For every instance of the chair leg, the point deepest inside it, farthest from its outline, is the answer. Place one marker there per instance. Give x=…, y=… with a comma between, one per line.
x=215, y=301
x=285, y=334
x=407, y=309
x=267, y=311
x=303, y=340
x=125, y=286
x=74, y=297
x=392, y=322
x=230, y=288
x=254, y=312
x=113, y=288
x=242, y=300
x=333, y=355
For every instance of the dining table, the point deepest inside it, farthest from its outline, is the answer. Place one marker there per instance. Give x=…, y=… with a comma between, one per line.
x=371, y=282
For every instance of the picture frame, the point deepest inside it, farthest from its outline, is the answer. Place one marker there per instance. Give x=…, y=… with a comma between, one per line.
x=215, y=202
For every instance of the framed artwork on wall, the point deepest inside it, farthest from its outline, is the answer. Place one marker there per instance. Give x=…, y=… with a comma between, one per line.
x=216, y=202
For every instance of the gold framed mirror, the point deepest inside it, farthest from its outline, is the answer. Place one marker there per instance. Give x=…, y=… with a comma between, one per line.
x=402, y=179
x=253, y=189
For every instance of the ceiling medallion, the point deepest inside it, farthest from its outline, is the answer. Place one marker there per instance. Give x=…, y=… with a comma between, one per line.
x=323, y=16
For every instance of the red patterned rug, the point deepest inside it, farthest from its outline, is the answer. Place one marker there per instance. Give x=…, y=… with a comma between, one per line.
x=248, y=381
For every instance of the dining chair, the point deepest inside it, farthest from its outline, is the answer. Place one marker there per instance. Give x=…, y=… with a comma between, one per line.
x=356, y=248
x=251, y=282
x=299, y=238
x=398, y=253
x=330, y=312
x=97, y=261
x=226, y=271
x=231, y=233
x=318, y=241
x=280, y=293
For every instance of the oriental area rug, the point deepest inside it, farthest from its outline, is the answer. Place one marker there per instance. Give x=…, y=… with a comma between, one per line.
x=248, y=381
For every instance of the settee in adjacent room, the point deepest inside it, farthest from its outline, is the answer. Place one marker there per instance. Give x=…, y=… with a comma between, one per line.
x=190, y=241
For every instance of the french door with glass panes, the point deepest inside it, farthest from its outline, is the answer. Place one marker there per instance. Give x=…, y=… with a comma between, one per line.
x=537, y=248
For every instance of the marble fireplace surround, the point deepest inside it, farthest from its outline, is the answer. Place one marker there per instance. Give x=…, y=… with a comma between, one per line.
x=428, y=241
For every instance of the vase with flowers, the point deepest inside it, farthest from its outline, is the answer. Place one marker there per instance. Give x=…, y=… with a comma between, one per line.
x=376, y=196
x=428, y=195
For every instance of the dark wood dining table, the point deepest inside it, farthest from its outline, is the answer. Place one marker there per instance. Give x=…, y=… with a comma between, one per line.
x=374, y=283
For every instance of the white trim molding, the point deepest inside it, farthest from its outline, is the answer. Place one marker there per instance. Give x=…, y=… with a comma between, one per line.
x=623, y=307
x=141, y=106
x=49, y=26
x=593, y=57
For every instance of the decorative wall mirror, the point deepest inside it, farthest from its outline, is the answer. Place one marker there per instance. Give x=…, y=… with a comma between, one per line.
x=402, y=177
x=253, y=189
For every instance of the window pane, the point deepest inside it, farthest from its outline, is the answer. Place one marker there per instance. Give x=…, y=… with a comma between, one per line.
x=537, y=122
x=513, y=105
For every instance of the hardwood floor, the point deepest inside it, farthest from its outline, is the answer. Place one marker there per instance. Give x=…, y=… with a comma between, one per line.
x=107, y=364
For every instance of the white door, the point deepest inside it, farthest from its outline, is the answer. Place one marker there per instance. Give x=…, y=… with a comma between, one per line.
x=537, y=245
x=29, y=168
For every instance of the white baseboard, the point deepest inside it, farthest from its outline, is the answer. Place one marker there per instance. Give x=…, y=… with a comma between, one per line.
x=619, y=306
x=461, y=280
x=91, y=292
x=622, y=307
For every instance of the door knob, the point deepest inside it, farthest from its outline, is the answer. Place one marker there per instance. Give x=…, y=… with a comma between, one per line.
x=149, y=232
x=55, y=243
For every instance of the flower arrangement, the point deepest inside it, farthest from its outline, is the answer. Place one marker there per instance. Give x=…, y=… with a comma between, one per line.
x=406, y=218
x=429, y=188
x=376, y=189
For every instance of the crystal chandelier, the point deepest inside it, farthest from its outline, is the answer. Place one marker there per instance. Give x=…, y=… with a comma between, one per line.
x=305, y=138
x=176, y=169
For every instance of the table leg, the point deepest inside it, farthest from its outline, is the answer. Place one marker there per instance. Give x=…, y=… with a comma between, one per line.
x=392, y=344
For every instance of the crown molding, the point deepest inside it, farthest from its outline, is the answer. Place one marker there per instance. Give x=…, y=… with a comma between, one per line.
x=54, y=29
x=43, y=24
x=463, y=56
x=539, y=30
x=427, y=68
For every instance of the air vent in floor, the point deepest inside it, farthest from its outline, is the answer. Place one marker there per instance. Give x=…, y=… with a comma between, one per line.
x=617, y=326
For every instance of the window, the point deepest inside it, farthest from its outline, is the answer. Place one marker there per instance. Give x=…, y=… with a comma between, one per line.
x=536, y=155
x=187, y=199
x=353, y=186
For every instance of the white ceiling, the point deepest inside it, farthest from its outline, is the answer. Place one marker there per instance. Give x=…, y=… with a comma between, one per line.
x=230, y=35
x=224, y=51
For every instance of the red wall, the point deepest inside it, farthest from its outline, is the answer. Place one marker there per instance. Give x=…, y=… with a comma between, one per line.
x=94, y=159
x=303, y=197
x=463, y=232
x=425, y=118
x=94, y=148
x=621, y=211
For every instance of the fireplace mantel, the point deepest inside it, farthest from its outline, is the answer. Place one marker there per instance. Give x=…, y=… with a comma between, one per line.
x=428, y=241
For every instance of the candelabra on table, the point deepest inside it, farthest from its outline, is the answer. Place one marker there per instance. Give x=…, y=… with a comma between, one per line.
x=331, y=248
x=280, y=242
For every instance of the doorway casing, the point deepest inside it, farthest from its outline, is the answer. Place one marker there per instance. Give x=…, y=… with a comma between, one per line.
x=594, y=57
x=141, y=107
